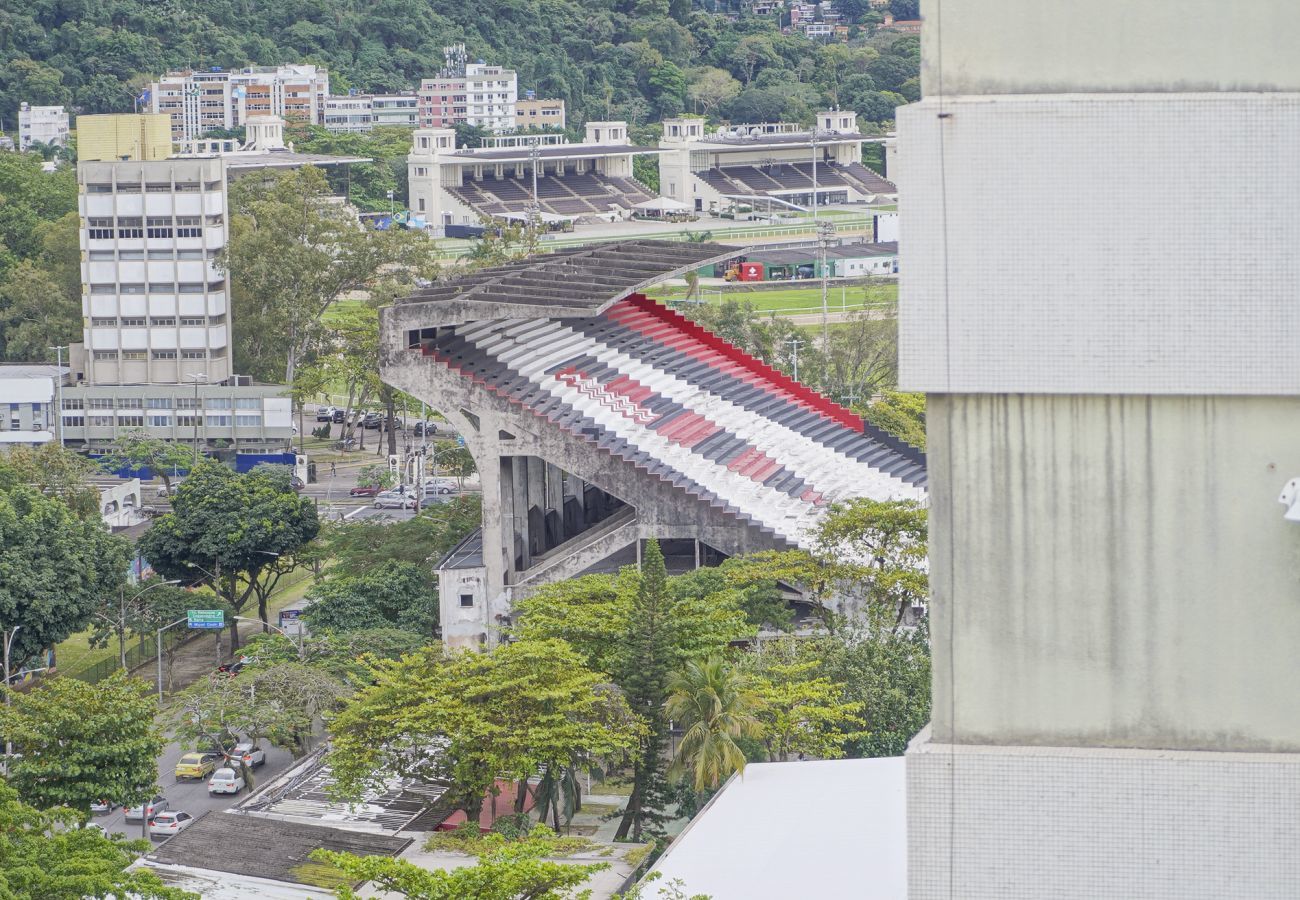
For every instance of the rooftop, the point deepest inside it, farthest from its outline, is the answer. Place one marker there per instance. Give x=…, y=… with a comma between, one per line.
x=792, y=255
x=559, y=151
x=468, y=554
x=285, y=159
x=797, y=139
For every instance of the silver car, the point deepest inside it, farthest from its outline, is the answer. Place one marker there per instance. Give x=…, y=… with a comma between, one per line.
x=153, y=807
x=395, y=500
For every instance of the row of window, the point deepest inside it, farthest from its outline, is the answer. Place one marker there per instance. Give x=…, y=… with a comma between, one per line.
x=158, y=287
x=154, y=321
x=102, y=228
x=152, y=187
x=167, y=403
x=157, y=421
x=153, y=253
x=112, y=355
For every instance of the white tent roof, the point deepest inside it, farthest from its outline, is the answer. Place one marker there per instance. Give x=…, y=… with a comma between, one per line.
x=664, y=204
x=826, y=828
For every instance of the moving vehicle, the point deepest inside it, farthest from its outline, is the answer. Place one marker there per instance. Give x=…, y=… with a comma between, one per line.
x=152, y=808
x=249, y=753
x=196, y=765
x=326, y=413
x=103, y=806
x=365, y=490
x=440, y=485
x=422, y=428
x=169, y=823
x=395, y=500
x=226, y=781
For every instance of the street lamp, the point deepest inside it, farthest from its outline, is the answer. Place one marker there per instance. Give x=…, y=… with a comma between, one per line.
x=8, y=637
x=392, y=206
x=198, y=378
x=58, y=384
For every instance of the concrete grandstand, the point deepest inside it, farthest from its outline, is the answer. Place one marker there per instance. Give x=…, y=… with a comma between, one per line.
x=779, y=166
x=599, y=419
x=583, y=182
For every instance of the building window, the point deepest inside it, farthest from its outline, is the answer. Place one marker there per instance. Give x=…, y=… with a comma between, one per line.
x=130, y=254
x=216, y=220
x=187, y=403
x=162, y=287
x=133, y=321
x=188, y=421
x=133, y=354
x=190, y=287
x=162, y=321
x=217, y=353
x=160, y=254
x=74, y=421
x=164, y=354
x=194, y=320
x=191, y=254
x=105, y=354
x=74, y=403
x=160, y=421
x=215, y=286
x=218, y=403
x=101, y=255
x=157, y=187
x=99, y=187
x=135, y=288
x=218, y=420
x=103, y=322
x=130, y=421
x=132, y=187
x=100, y=229
x=194, y=354
x=158, y=403
x=101, y=420
x=130, y=403
x=187, y=187
x=130, y=227
x=248, y=403
x=159, y=227
x=102, y=402
x=466, y=599
x=248, y=420
x=188, y=226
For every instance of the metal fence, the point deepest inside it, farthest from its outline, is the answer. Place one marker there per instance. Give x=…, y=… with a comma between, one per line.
x=137, y=654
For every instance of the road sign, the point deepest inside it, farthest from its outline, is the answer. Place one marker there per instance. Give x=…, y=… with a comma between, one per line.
x=206, y=618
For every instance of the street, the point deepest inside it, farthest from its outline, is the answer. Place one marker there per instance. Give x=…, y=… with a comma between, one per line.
x=192, y=796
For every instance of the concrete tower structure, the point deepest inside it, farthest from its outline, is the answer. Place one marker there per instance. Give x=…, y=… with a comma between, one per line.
x=1112, y=413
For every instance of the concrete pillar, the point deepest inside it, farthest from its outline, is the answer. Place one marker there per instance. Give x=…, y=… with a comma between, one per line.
x=536, y=505
x=555, y=501
x=519, y=555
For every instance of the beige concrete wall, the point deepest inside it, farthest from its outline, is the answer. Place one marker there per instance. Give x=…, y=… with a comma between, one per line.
x=1118, y=569
x=1059, y=46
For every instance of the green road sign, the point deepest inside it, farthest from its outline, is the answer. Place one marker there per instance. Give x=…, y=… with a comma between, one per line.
x=206, y=618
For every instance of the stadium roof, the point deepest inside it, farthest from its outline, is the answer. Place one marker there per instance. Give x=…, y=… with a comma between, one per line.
x=776, y=140
x=559, y=151
x=578, y=281
x=283, y=159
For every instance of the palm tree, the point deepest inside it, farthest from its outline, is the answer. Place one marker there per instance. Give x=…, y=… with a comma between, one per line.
x=715, y=705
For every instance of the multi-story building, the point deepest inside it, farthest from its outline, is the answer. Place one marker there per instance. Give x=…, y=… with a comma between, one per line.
x=532, y=112
x=156, y=352
x=199, y=102
x=360, y=113
x=468, y=93
x=42, y=125
x=27, y=403
x=399, y=110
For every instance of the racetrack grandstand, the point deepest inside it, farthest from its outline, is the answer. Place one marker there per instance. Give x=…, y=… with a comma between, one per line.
x=588, y=181
x=776, y=166
x=599, y=419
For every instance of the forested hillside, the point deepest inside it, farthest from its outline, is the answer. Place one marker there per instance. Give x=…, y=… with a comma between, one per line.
x=632, y=59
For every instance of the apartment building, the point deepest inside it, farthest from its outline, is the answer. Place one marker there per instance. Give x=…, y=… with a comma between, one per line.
x=468, y=93
x=532, y=112
x=199, y=101
x=42, y=125
x=360, y=113
x=398, y=110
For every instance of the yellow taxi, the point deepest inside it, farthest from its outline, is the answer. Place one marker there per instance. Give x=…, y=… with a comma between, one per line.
x=197, y=765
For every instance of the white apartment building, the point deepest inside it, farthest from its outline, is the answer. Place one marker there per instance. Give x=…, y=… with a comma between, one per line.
x=27, y=403
x=156, y=306
x=399, y=110
x=360, y=113
x=199, y=101
x=42, y=125
x=469, y=93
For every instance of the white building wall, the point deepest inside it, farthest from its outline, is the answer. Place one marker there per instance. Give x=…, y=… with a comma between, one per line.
x=42, y=125
x=461, y=624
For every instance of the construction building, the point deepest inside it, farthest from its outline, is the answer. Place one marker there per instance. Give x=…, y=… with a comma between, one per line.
x=469, y=93
x=156, y=352
x=591, y=180
x=200, y=101
x=599, y=419
x=775, y=166
x=46, y=125
x=1116, y=589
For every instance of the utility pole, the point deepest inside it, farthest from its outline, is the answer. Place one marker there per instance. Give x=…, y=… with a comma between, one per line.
x=8, y=639
x=58, y=394
x=794, y=344
x=816, y=152
x=534, y=212
x=198, y=413
x=825, y=231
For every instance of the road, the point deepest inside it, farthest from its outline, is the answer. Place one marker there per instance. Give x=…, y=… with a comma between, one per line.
x=192, y=796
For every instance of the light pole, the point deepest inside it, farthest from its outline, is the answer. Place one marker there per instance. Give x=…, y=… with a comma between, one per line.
x=795, y=344
x=119, y=624
x=199, y=378
x=392, y=207
x=8, y=637
x=160, y=656
x=825, y=231
x=815, y=154
x=58, y=393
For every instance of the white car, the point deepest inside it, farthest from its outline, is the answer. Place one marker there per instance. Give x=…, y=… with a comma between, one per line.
x=102, y=806
x=169, y=823
x=153, y=808
x=226, y=781
x=249, y=753
x=395, y=500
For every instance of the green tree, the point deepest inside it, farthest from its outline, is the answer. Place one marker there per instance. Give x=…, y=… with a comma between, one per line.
x=234, y=533
x=56, y=567
x=402, y=595
x=293, y=255
x=711, y=89
x=135, y=449
x=79, y=743
x=54, y=472
x=35, y=314
x=365, y=547
x=714, y=704
x=512, y=870
x=46, y=855
x=901, y=414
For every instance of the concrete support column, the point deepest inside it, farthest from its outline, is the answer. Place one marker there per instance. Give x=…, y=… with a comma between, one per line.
x=555, y=500
x=535, y=508
x=520, y=558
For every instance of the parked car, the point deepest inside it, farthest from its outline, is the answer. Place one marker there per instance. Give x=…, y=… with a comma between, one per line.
x=337, y=416
x=440, y=485
x=395, y=500
x=249, y=753
x=373, y=420
x=167, y=824
x=95, y=826
x=162, y=489
x=103, y=806
x=197, y=765
x=152, y=808
x=326, y=413
x=226, y=781
x=297, y=483
x=365, y=490
x=422, y=428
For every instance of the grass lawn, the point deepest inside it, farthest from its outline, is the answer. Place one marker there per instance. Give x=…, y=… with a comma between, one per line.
x=789, y=300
